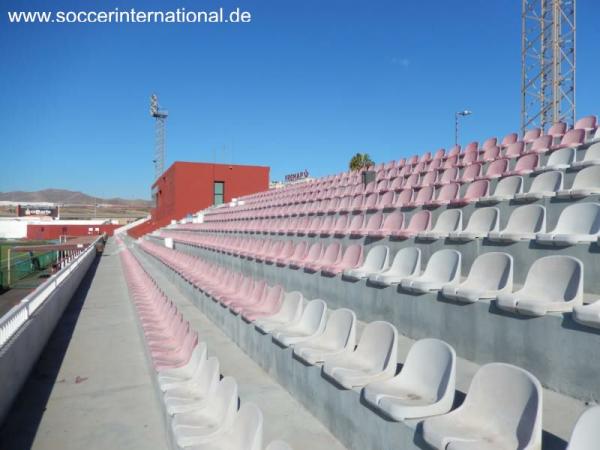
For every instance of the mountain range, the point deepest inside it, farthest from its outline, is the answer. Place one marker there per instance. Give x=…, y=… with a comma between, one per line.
x=67, y=197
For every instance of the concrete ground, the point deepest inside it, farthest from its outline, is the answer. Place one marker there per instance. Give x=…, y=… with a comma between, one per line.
x=91, y=388
x=284, y=417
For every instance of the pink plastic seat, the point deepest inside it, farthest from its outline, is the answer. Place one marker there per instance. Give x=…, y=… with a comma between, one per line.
x=587, y=123
x=514, y=150
x=509, y=139
x=340, y=226
x=469, y=158
x=326, y=225
x=475, y=190
x=525, y=164
x=490, y=153
x=259, y=290
x=448, y=176
x=344, y=205
x=314, y=254
x=269, y=305
x=331, y=256
x=391, y=222
x=352, y=258
x=314, y=227
x=434, y=165
x=470, y=173
x=423, y=197
x=370, y=203
x=557, y=130
x=573, y=138
x=531, y=135
x=385, y=201
x=450, y=162
x=439, y=154
x=357, y=203
x=446, y=194
x=396, y=184
x=356, y=223
x=298, y=254
x=495, y=169
x=373, y=223
x=419, y=221
x=411, y=181
x=542, y=144
x=430, y=178
x=403, y=198
x=489, y=143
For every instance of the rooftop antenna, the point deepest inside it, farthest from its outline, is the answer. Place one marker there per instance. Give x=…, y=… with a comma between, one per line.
x=547, y=63
x=160, y=117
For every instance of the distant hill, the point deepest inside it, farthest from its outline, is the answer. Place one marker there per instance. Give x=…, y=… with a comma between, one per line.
x=66, y=197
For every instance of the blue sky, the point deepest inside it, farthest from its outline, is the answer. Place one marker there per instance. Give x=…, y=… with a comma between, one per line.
x=305, y=85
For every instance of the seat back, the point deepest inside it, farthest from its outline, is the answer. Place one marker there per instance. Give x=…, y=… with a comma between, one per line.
x=558, y=129
x=292, y=306
x=393, y=221
x=483, y=219
x=586, y=433
x=314, y=252
x=407, y=262
x=477, y=189
x=586, y=123
x=587, y=178
x=491, y=153
x=430, y=368
x=509, y=186
x=449, y=220
x=357, y=222
x=579, y=218
x=378, y=345
x=531, y=135
x=341, y=222
x=489, y=142
x=223, y=404
x=300, y=250
x=592, y=153
x=448, y=192
x=374, y=222
x=527, y=219
x=340, y=329
x=404, y=197
x=424, y=195
x=377, y=258
x=419, y=221
x=562, y=156
x=573, y=138
x=491, y=271
x=444, y=265
x=386, y=200
x=509, y=139
x=353, y=256
x=542, y=143
x=527, y=162
x=471, y=172
x=547, y=182
x=332, y=253
x=511, y=399
x=555, y=278
x=313, y=316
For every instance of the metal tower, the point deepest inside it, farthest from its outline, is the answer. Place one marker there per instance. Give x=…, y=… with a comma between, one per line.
x=160, y=117
x=547, y=63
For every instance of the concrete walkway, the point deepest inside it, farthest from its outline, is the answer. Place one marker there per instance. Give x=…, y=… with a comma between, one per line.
x=91, y=388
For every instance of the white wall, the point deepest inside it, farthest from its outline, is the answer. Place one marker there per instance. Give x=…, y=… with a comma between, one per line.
x=13, y=229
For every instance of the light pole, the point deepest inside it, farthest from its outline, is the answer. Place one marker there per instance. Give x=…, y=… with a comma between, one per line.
x=458, y=114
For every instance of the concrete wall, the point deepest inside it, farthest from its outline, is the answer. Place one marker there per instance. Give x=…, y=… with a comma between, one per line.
x=20, y=353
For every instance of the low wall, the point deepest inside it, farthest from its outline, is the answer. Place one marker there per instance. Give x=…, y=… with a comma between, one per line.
x=25, y=329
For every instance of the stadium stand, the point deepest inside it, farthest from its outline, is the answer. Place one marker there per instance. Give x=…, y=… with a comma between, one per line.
x=440, y=248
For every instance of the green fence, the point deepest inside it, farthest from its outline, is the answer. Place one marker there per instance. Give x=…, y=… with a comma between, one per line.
x=23, y=265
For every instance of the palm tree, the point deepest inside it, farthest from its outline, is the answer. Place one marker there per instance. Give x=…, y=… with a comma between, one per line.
x=361, y=161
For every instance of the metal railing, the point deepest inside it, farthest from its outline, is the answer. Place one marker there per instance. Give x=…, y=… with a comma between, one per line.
x=16, y=317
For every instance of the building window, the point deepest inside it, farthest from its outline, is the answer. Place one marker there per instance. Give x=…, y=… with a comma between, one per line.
x=219, y=189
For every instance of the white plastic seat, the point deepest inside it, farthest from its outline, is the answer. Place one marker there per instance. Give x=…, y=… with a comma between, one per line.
x=490, y=275
x=523, y=224
x=443, y=267
x=339, y=336
x=424, y=387
x=290, y=312
x=577, y=223
x=586, y=434
x=591, y=157
x=447, y=222
x=245, y=434
x=585, y=183
x=545, y=185
x=201, y=426
x=506, y=189
x=481, y=222
x=377, y=261
x=192, y=394
x=407, y=263
x=588, y=315
x=501, y=411
x=278, y=445
x=553, y=284
x=373, y=359
x=173, y=376
x=560, y=159
x=311, y=324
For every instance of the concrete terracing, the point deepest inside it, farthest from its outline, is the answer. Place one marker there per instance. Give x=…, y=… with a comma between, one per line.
x=284, y=417
x=91, y=388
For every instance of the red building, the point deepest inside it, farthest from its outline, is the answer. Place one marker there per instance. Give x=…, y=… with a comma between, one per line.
x=54, y=229
x=187, y=187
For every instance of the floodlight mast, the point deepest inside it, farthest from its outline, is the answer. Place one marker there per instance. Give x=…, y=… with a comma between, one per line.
x=160, y=117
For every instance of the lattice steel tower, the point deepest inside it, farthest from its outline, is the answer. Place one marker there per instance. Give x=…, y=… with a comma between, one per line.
x=547, y=62
x=160, y=117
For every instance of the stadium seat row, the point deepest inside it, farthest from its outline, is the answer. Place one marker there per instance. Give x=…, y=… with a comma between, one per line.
x=203, y=409
x=423, y=389
x=547, y=184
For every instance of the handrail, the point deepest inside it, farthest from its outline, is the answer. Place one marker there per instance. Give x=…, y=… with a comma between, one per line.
x=13, y=320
